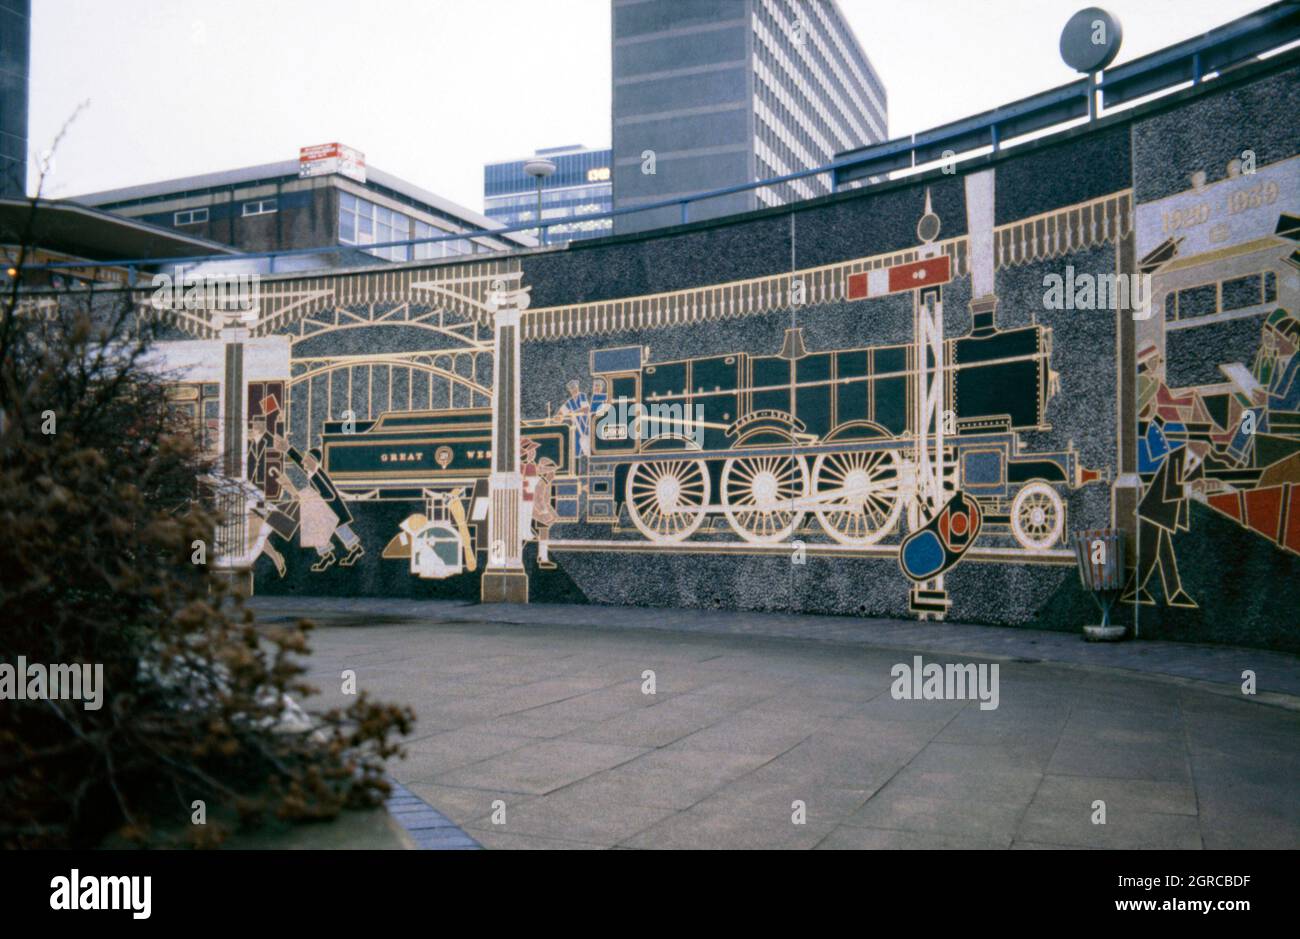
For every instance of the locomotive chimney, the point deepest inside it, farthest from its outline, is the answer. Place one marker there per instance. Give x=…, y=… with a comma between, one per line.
x=979, y=232
x=793, y=347
x=982, y=316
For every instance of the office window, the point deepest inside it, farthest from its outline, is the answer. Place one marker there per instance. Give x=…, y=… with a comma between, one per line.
x=427, y=252
x=391, y=226
x=259, y=207
x=190, y=217
x=363, y=223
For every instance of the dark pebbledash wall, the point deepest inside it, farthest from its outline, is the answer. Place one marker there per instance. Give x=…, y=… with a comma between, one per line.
x=1244, y=586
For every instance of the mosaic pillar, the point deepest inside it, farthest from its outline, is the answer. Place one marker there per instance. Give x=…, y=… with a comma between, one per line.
x=1128, y=485
x=233, y=404
x=504, y=580
x=232, y=515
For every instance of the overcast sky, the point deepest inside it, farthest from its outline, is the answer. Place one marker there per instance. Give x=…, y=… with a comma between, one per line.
x=430, y=90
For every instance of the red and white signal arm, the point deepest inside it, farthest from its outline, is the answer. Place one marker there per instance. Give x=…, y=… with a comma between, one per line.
x=326, y=159
x=886, y=280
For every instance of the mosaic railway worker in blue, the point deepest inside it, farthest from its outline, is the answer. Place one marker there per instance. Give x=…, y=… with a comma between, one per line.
x=581, y=410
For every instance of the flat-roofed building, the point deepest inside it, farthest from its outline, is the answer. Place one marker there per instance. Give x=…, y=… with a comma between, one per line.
x=316, y=201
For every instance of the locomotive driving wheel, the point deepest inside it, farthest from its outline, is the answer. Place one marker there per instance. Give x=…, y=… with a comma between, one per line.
x=666, y=498
x=759, y=494
x=1037, y=516
x=868, y=497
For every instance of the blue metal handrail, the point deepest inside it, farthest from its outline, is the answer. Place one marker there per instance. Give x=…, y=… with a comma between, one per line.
x=1244, y=38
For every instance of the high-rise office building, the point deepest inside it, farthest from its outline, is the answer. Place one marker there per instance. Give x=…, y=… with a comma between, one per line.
x=15, y=60
x=581, y=185
x=717, y=93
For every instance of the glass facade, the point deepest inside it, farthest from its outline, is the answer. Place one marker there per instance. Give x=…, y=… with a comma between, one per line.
x=15, y=56
x=362, y=222
x=581, y=185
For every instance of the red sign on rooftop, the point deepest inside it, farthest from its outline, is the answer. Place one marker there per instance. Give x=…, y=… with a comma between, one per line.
x=325, y=159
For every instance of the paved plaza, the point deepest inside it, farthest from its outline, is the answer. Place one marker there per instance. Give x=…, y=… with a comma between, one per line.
x=541, y=710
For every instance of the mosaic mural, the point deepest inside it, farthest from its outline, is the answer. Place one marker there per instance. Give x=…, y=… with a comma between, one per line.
x=911, y=428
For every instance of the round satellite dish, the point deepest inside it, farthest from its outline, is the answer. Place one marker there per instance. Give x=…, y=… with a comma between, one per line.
x=1090, y=40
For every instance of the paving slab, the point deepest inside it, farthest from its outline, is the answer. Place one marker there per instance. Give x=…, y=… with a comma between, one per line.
x=771, y=798
x=576, y=816
x=465, y=805
x=668, y=779
x=967, y=818
x=540, y=766
x=700, y=828
x=665, y=723
x=444, y=752
x=1123, y=829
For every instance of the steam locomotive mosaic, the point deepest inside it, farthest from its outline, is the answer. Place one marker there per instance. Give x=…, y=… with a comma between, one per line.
x=759, y=448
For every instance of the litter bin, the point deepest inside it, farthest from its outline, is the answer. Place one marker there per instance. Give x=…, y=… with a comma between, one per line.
x=1100, y=555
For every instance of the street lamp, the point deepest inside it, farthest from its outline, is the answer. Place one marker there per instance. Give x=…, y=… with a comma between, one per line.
x=540, y=169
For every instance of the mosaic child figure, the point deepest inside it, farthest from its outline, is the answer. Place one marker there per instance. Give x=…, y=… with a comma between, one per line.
x=535, y=499
x=544, y=515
